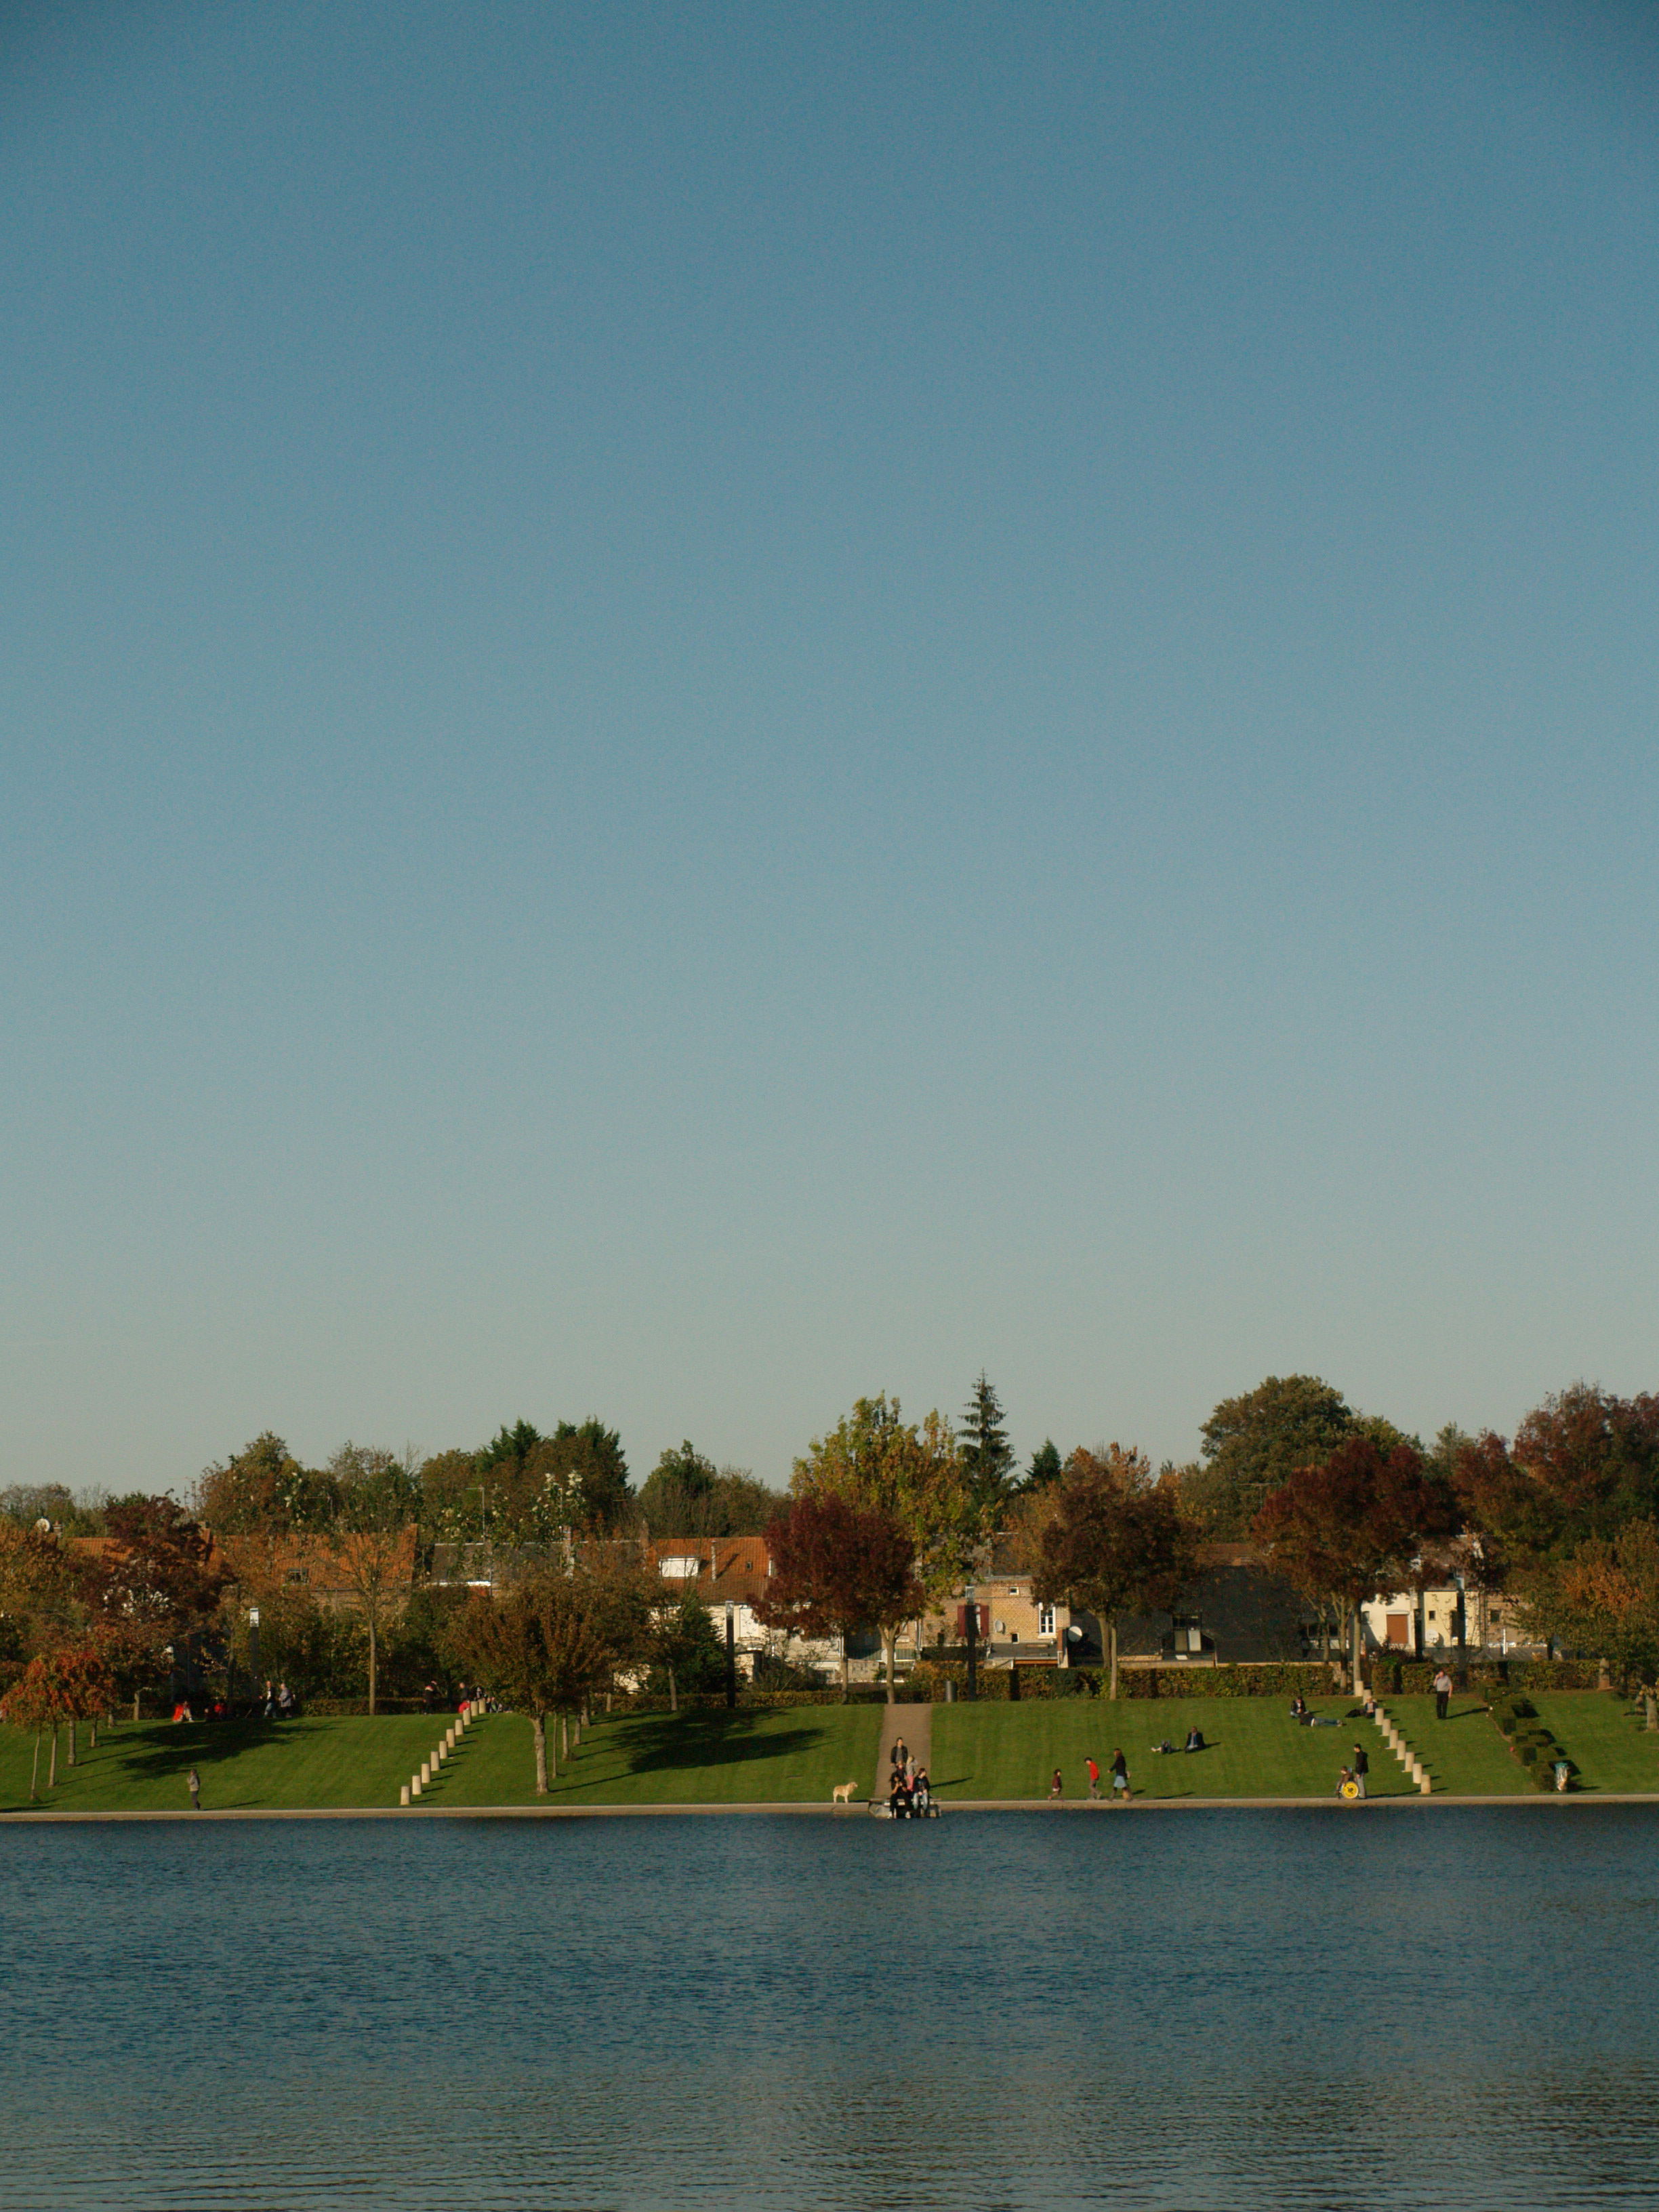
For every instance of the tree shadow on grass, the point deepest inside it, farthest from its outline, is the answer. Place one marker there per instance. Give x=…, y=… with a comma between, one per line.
x=201, y=1744
x=663, y=1741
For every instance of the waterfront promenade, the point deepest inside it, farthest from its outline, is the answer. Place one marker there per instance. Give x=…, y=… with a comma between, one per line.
x=984, y=1756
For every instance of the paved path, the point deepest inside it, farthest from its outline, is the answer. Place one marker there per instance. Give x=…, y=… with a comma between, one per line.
x=915, y=1724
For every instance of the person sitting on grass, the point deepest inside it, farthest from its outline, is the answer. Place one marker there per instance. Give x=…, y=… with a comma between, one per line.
x=1298, y=1707
x=1195, y=1739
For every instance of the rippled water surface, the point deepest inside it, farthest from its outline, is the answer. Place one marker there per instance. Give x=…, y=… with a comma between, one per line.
x=1443, y=2008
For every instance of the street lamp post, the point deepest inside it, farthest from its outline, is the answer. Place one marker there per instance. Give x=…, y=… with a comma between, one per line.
x=731, y=1657
x=973, y=1647
x=253, y=1648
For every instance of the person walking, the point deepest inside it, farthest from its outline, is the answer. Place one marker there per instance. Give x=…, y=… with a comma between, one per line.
x=1362, y=1767
x=1094, y=1776
x=1056, y=1787
x=1121, y=1777
x=193, y=1784
x=1442, y=1690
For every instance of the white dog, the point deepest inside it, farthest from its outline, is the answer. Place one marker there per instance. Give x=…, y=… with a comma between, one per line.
x=843, y=1793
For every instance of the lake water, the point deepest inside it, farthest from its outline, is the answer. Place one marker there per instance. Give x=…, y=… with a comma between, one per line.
x=1437, y=2008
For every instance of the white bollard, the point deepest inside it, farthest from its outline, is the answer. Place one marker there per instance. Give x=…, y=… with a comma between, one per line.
x=414, y=1787
x=403, y=1800
x=426, y=1774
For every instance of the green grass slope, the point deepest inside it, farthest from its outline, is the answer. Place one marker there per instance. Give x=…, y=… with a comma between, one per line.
x=795, y=1757
x=1604, y=1738
x=1464, y=1754
x=243, y=1766
x=1255, y=1749
x=702, y=1758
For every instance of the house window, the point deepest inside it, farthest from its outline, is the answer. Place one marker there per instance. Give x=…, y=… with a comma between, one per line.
x=1045, y=1620
x=680, y=1569
x=1014, y=1590
x=1188, y=1634
x=298, y=1575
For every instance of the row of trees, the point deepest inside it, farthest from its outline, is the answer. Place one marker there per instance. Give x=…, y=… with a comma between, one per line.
x=84, y=1628
x=885, y=1517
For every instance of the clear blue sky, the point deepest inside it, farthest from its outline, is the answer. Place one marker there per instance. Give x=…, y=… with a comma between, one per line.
x=709, y=708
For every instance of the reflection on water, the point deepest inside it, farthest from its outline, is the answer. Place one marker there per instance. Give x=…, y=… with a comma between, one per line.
x=1448, y=2009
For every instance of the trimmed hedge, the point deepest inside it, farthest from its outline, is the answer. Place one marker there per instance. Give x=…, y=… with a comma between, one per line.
x=1415, y=1677
x=1529, y=1741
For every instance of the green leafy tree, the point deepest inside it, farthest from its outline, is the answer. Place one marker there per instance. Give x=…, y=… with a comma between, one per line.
x=686, y=1495
x=538, y=1648
x=677, y=1492
x=1253, y=1444
x=373, y=1538
x=988, y=1462
x=1046, y=1466
x=1111, y=1543
x=685, y=1647
x=26, y=1504
x=263, y=1490
x=585, y=1461
x=913, y=1473
x=537, y=1488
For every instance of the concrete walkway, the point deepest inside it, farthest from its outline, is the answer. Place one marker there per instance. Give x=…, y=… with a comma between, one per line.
x=915, y=1724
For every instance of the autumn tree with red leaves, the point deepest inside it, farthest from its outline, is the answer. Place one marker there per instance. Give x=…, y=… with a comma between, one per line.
x=1355, y=1524
x=838, y=1567
x=1560, y=1516
x=1111, y=1541
x=153, y=1582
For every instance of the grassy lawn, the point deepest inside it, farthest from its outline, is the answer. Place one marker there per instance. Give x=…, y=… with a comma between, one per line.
x=141, y=1767
x=1255, y=1749
x=1604, y=1738
x=696, y=1758
x=1464, y=1754
x=659, y=1758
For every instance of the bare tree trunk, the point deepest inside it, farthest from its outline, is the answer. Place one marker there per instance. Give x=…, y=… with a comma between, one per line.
x=1358, y=1676
x=34, y=1772
x=373, y=1667
x=52, y=1778
x=890, y=1652
x=564, y=1737
x=1111, y=1643
x=539, y=1735
x=74, y=1747
x=673, y=1691
x=846, y=1676
x=93, y=1746
x=1651, y=1706
x=135, y=1696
